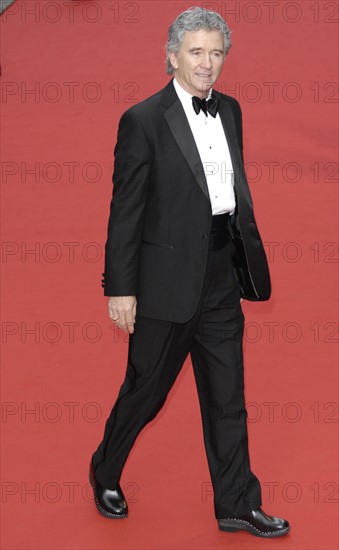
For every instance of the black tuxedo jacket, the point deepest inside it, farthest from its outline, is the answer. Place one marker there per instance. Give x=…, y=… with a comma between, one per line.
x=160, y=214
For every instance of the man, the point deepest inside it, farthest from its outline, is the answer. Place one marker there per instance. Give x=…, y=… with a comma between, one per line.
x=182, y=250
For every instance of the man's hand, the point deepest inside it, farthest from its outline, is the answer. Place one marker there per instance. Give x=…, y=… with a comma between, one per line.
x=241, y=300
x=122, y=311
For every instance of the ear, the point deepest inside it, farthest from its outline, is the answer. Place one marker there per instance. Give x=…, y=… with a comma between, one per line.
x=173, y=59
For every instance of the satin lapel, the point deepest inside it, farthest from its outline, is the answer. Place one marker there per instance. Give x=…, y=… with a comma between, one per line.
x=228, y=122
x=180, y=128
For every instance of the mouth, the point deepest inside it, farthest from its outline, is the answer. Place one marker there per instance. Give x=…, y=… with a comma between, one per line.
x=203, y=75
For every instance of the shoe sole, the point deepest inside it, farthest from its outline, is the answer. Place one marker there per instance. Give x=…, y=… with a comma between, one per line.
x=97, y=504
x=232, y=526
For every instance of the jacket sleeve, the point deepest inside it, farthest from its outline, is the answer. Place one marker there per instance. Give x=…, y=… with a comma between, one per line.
x=130, y=186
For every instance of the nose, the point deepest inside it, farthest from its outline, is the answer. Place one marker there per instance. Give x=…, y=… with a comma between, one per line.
x=206, y=61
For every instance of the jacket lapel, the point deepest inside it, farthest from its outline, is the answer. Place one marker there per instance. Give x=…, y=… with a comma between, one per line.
x=182, y=133
x=228, y=122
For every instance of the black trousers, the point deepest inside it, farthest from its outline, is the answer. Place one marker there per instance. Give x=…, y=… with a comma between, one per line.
x=156, y=353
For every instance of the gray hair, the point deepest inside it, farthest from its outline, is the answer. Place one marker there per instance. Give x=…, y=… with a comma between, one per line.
x=194, y=19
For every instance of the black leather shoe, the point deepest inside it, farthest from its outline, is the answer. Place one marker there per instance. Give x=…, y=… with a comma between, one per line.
x=256, y=522
x=110, y=503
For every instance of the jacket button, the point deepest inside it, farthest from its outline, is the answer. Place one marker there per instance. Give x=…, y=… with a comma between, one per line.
x=205, y=236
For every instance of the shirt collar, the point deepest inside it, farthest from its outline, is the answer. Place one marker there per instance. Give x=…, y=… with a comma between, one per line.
x=186, y=97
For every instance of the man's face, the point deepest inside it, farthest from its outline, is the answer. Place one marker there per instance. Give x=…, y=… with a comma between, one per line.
x=199, y=61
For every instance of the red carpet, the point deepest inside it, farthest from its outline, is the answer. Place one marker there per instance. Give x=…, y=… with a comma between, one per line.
x=69, y=70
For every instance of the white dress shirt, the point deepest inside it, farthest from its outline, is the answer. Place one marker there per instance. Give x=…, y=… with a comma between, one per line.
x=214, y=153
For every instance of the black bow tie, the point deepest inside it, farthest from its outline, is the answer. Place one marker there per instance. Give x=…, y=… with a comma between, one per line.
x=210, y=106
